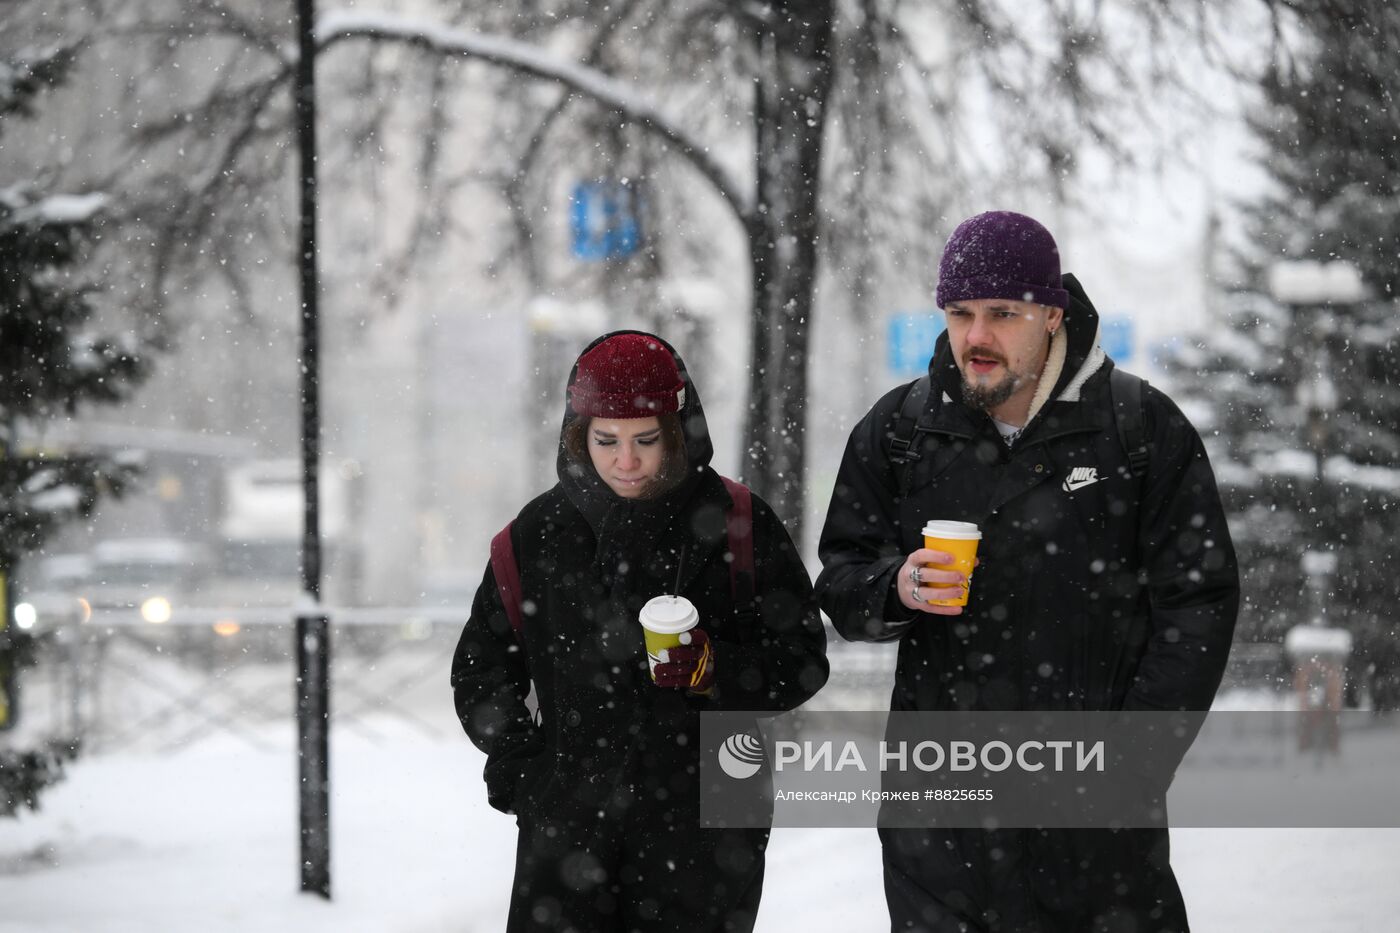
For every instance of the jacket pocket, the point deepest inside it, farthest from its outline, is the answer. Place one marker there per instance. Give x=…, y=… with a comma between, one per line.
x=506, y=776
x=536, y=777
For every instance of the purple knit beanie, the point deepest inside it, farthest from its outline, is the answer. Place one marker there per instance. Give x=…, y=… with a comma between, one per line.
x=1001, y=254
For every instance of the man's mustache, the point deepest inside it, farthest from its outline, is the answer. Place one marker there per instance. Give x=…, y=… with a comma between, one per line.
x=977, y=352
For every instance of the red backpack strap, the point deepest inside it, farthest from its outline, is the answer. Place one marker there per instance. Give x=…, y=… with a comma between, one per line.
x=738, y=524
x=507, y=576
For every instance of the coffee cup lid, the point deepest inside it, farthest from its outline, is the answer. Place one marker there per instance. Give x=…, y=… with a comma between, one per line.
x=954, y=531
x=669, y=615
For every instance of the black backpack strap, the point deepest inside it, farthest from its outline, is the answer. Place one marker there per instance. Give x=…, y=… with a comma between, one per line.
x=907, y=428
x=1125, y=390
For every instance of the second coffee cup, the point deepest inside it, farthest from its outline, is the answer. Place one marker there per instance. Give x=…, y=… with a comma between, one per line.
x=664, y=619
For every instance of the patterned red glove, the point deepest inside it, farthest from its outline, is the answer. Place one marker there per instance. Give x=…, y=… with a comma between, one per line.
x=690, y=664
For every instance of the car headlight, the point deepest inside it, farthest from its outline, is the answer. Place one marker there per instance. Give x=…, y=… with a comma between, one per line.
x=25, y=615
x=156, y=609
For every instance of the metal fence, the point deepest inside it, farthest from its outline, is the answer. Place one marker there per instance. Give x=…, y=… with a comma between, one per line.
x=116, y=682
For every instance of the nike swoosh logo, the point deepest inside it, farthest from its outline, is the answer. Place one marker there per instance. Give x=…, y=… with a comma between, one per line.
x=1080, y=484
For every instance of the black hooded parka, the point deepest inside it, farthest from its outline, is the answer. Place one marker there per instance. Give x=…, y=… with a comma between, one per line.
x=1095, y=590
x=604, y=782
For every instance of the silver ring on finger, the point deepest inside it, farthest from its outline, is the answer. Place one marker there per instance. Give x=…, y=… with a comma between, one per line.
x=914, y=575
x=917, y=597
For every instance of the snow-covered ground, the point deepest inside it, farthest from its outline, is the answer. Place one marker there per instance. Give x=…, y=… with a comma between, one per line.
x=204, y=838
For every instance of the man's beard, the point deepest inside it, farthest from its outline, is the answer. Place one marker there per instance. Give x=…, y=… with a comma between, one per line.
x=987, y=397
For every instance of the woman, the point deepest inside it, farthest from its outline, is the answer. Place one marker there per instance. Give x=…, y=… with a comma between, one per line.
x=604, y=784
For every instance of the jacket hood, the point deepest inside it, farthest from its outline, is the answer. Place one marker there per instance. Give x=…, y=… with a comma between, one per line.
x=587, y=490
x=1083, y=355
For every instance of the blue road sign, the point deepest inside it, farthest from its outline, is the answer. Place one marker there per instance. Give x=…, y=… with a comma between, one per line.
x=603, y=220
x=1116, y=336
x=912, y=336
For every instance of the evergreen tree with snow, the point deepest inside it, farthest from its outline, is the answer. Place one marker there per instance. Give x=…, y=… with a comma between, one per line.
x=55, y=356
x=1303, y=399
x=1329, y=125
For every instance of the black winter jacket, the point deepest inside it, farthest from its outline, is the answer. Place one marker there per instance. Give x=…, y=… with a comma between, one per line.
x=1094, y=591
x=588, y=561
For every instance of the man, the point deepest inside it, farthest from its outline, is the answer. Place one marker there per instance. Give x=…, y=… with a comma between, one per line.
x=1104, y=581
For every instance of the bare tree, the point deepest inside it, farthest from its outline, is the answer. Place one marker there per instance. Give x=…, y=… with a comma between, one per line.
x=819, y=92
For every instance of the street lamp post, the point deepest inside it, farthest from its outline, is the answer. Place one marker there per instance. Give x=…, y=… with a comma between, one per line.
x=312, y=624
x=1318, y=652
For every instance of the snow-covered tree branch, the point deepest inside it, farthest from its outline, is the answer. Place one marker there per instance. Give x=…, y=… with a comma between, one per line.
x=336, y=26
